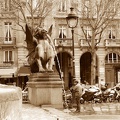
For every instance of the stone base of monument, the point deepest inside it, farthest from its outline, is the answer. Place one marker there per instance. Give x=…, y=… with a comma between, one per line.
x=10, y=102
x=45, y=89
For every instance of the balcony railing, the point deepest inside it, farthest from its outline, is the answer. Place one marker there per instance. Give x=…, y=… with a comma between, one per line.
x=86, y=43
x=6, y=64
x=63, y=42
x=7, y=41
x=112, y=42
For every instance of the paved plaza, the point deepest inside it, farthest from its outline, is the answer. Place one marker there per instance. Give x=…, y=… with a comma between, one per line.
x=103, y=111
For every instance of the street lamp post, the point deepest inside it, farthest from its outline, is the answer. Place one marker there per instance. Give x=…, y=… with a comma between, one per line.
x=72, y=21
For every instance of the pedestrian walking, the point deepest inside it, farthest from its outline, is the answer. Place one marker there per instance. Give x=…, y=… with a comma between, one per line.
x=77, y=90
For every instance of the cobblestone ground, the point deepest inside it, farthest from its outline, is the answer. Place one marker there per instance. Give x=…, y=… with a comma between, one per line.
x=31, y=112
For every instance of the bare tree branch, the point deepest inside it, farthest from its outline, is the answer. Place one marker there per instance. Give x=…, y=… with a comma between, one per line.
x=88, y=41
x=98, y=15
x=29, y=8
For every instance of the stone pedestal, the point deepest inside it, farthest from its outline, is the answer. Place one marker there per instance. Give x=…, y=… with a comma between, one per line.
x=45, y=89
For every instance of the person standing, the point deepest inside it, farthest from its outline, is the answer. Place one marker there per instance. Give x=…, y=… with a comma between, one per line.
x=77, y=89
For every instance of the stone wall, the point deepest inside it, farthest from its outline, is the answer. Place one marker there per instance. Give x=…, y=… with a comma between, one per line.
x=10, y=103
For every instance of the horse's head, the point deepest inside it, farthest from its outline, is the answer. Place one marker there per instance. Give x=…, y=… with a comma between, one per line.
x=40, y=33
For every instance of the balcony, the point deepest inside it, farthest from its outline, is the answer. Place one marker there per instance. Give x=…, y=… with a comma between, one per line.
x=67, y=42
x=6, y=64
x=86, y=43
x=112, y=42
x=7, y=41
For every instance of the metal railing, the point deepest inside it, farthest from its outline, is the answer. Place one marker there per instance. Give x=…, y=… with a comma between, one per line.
x=7, y=41
x=106, y=43
x=87, y=42
x=63, y=42
x=112, y=42
x=6, y=64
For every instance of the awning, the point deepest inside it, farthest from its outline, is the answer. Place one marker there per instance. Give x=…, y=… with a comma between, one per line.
x=7, y=73
x=24, y=71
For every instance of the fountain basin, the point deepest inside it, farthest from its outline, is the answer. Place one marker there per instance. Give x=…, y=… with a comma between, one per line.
x=10, y=102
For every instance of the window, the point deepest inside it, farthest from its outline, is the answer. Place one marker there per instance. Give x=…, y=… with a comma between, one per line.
x=111, y=32
x=112, y=58
x=8, y=32
x=35, y=3
x=8, y=56
x=8, y=5
x=111, y=7
x=62, y=6
x=88, y=32
x=62, y=32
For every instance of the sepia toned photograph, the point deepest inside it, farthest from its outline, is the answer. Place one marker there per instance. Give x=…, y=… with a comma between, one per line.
x=59, y=59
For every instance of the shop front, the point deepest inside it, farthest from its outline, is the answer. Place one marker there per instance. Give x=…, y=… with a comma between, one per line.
x=8, y=76
x=23, y=74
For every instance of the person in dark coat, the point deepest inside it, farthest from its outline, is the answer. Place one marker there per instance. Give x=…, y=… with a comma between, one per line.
x=77, y=89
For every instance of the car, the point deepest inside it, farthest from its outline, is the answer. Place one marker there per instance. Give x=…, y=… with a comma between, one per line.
x=25, y=95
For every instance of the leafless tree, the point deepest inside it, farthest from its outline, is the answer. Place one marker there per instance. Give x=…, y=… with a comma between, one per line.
x=98, y=15
x=31, y=11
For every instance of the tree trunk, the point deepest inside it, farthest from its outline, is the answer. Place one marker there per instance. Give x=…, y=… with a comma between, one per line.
x=93, y=62
x=93, y=67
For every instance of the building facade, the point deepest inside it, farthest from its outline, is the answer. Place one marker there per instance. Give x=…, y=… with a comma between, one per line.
x=12, y=52
x=13, y=47
x=107, y=50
